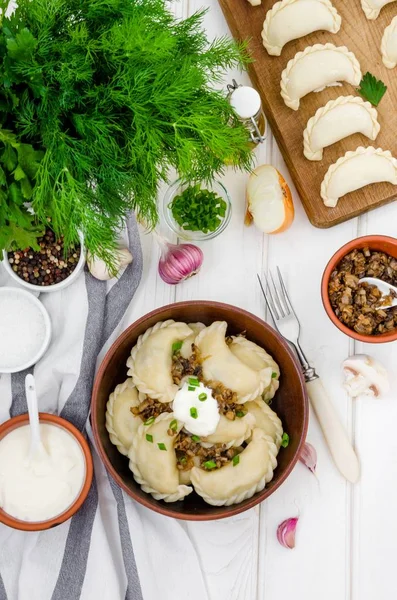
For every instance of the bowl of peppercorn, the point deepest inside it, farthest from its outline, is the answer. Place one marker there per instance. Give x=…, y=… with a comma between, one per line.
x=48, y=269
x=197, y=211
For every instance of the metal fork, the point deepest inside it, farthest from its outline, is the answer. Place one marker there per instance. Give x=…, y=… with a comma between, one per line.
x=287, y=324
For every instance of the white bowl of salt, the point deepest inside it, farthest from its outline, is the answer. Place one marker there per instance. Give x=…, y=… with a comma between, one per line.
x=25, y=330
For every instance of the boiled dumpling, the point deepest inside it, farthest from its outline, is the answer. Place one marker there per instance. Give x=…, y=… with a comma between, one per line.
x=389, y=45
x=230, y=433
x=153, y=460
x=372, y=8
x=266, y=419
x=120, y=422
x=355, y=170
x=257, y=358
x=186, y=349
x=315, y=68
x=232, y=484
x=292, y=19
x=221, y=365
x=337, y=120
x=151, y=359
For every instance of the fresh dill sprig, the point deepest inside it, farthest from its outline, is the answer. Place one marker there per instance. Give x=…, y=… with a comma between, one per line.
x=116, y=93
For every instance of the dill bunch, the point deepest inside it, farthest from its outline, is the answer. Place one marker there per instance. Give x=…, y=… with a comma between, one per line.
x=116, y=92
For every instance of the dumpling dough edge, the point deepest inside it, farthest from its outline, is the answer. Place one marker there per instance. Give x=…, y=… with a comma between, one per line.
x=294, y=104
x=276, y=50
x=323, y=110
x=360, y=150
x=119, y=389
x=389, y=30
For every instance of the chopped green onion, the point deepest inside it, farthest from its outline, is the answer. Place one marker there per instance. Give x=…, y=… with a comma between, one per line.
x=285, y=440
x=240, y=413
x=193, y=412
x=191, y=388
x=195, y=438
x=197, y=209
x=194, y=381
x=149, y=438
x=174, y=425
x=236, y=460
x=182, y=460
x=162, y=446
x=210, y=464
x=149, y=421
x=274, y=375
x=202, y=397
x=176, y=347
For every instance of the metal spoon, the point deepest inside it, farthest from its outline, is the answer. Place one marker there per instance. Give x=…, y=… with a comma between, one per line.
x=384, y=288
x=37, y=449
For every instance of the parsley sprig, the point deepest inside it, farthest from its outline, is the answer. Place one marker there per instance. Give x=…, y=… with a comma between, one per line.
x=372, y=89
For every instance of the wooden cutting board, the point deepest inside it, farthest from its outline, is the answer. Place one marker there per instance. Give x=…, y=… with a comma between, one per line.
x=362, y=37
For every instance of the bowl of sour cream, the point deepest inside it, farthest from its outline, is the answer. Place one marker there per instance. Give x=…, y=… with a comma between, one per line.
x=45, y=490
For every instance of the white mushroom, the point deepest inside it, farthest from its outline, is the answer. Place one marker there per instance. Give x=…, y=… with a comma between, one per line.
x=365, y=376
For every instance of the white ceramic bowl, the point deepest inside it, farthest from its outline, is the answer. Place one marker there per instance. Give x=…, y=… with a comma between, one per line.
x=48, y=288
x=48, y=329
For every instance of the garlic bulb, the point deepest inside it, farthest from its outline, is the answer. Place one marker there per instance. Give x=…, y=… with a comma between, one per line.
x=365, y=376
x=178, y=262
x=99, y=269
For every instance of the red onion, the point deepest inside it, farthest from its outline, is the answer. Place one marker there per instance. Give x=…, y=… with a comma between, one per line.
x=178, y=262
x=286, y=532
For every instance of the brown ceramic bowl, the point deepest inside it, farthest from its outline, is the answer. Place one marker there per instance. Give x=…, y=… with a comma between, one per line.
x=290, y=403
x=382, y=243
x=15, y=422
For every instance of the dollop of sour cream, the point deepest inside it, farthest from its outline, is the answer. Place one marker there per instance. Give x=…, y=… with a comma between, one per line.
x=44, y=486
x=196, y=407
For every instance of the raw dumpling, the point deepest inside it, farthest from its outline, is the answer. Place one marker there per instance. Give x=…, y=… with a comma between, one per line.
x=292, y=19
x=186, y=349
x=154, y=467
x=257, y=358
x=355, y=170
x=151, y=359
x=232, y=484
x=315, y=68
x=221, y=365
x=121, y=424
x=336, y=120
x=230, y=433
x=266, y=419
x=389, y=45
x=372, y=8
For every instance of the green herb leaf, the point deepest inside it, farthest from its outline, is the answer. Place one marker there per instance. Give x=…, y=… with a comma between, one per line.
x=149, y=437
x=195, y=438
x=174, y=425
x=162, y=446
x=203, y=396
x=176, y=346
x=149, y=421
x=285, y=440
x=209, y=464
x=372, y=89
x=193, y=412
x=240, y=413
x=274, y=375
x=236, y=460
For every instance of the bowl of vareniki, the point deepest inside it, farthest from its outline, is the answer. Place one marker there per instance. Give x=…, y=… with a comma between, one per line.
x=199, y=410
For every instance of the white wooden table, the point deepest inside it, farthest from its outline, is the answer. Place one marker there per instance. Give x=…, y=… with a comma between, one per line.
x=346, y=543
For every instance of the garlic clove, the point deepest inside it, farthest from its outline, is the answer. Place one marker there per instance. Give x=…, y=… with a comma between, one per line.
x=99, y=269
x=308, y=457
x=286, y=532
x=365, y=376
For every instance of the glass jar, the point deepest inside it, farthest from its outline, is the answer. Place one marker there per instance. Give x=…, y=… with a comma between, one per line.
x=247, y=104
